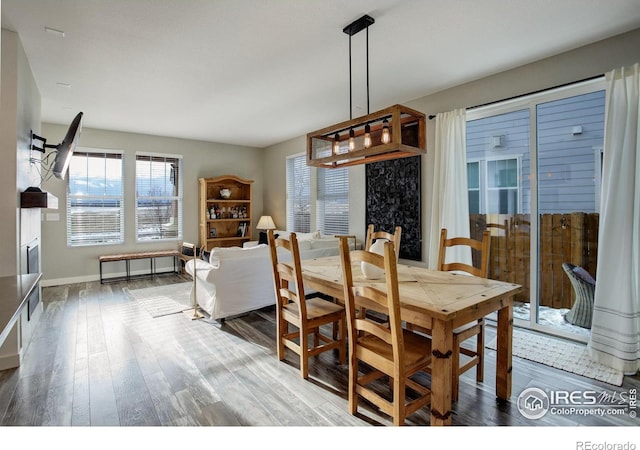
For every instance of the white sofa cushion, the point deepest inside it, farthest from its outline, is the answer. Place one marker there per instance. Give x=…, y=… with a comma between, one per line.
x=325, y=243
x=301, y=236
x=239, y=252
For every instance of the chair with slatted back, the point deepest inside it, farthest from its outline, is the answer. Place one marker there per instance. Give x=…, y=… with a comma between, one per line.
x=306, y=315
x=386, y=350
x=372, y=236
x=461, y=334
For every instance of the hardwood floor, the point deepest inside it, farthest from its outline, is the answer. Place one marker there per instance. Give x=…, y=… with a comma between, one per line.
x=99, y=359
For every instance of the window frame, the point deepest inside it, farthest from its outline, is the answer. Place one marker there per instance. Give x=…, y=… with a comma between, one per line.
x=316, y=197
x=293, y=224
x=178, y=199
x=340, y=199
x=531, y=102
x=483, y=180
x=73, y=241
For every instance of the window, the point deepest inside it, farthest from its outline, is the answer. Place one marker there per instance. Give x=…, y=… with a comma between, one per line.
x=332, y=205
x=473, y=185
x=493, y=186
x=298, y=194
x=95, y=199
x=502, y=186
x=326, y=204
x=158, y=197
x=534, y=179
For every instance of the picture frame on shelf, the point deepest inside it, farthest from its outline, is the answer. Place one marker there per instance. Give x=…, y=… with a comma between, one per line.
x=213, y=233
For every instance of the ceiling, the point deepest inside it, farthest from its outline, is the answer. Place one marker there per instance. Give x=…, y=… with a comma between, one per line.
x=259, y=72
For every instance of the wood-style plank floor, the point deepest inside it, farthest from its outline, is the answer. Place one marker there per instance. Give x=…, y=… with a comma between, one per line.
x=99, y=359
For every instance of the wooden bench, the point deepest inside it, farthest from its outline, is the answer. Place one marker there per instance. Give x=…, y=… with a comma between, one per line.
x=127, y=257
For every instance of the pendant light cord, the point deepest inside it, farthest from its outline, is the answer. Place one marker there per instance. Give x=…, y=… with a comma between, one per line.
x=367, y=70
x=350, y=84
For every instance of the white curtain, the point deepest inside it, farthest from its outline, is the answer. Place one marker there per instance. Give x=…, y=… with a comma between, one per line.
x=615, y=331
x=450, y=203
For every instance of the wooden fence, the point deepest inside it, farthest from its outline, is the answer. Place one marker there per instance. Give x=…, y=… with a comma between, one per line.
x=571, y=237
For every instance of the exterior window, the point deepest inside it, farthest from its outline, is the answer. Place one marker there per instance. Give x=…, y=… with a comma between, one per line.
x=493, y=186
x=473, y=184
x=95, y=199
x=158, y=197
x=332, y=205
x=502, y=186
x=298, y=194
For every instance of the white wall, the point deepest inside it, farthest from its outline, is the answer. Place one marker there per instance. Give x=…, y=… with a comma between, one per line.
x=19, y=114
x=578, y=64
x=200, y=159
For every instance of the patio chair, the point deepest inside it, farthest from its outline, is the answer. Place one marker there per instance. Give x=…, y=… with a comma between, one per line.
x=584, y=287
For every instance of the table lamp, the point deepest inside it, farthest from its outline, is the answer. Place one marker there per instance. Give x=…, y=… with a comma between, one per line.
x=265, y=223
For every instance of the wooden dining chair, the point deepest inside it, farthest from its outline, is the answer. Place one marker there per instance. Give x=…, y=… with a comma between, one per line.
x=306, y=315
x=387, y=349
x=372, y=236
x=461, y=334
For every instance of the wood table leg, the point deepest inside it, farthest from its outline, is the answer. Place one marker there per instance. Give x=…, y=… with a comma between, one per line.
x=504, y=349
x=441, y=352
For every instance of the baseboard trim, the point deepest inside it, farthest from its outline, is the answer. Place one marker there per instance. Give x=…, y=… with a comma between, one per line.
x=72, y=280
x=96, y=277
x=9, y=362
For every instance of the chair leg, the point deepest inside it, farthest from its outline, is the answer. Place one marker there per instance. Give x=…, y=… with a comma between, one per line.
x=399, y=407
x=304, y=353
x=283, y=328
x=342, y=330
x=455, y=369
x=353, y=380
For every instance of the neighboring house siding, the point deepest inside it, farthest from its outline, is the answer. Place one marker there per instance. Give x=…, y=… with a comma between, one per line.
x=567, y=162
x=514, y=129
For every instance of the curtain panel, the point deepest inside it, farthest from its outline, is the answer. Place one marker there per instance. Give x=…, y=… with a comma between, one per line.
x=615, y=331
x=450, y=202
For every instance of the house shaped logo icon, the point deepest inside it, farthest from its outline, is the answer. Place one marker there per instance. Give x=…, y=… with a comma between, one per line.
x=533, y=403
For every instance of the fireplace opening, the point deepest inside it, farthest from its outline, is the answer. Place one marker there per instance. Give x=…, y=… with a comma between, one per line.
x=33, y=266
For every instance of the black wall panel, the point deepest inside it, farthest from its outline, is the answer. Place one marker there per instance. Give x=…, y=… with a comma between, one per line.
x=393, y=198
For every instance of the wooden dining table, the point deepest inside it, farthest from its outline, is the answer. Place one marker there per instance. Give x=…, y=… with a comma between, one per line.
x=439, y=301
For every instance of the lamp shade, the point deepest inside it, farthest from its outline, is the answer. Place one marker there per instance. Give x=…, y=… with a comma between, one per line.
x=266, y=223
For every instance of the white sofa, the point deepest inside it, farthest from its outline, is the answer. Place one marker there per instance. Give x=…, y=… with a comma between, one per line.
x=238, y=280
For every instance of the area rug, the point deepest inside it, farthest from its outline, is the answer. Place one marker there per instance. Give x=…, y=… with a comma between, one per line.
x=164, y=300
x=562, y=354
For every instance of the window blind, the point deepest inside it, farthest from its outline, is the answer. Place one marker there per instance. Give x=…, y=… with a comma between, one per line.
x=332, y=205
x=298, y=195
x=158, y=197
x=95, y=199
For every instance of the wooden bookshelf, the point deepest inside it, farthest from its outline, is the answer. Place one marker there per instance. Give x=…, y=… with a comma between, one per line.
x=225, y=222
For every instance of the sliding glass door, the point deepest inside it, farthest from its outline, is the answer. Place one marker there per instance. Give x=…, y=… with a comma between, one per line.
x=534, y=181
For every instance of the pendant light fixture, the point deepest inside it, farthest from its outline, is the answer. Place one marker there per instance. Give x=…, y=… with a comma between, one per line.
x=393, y=132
